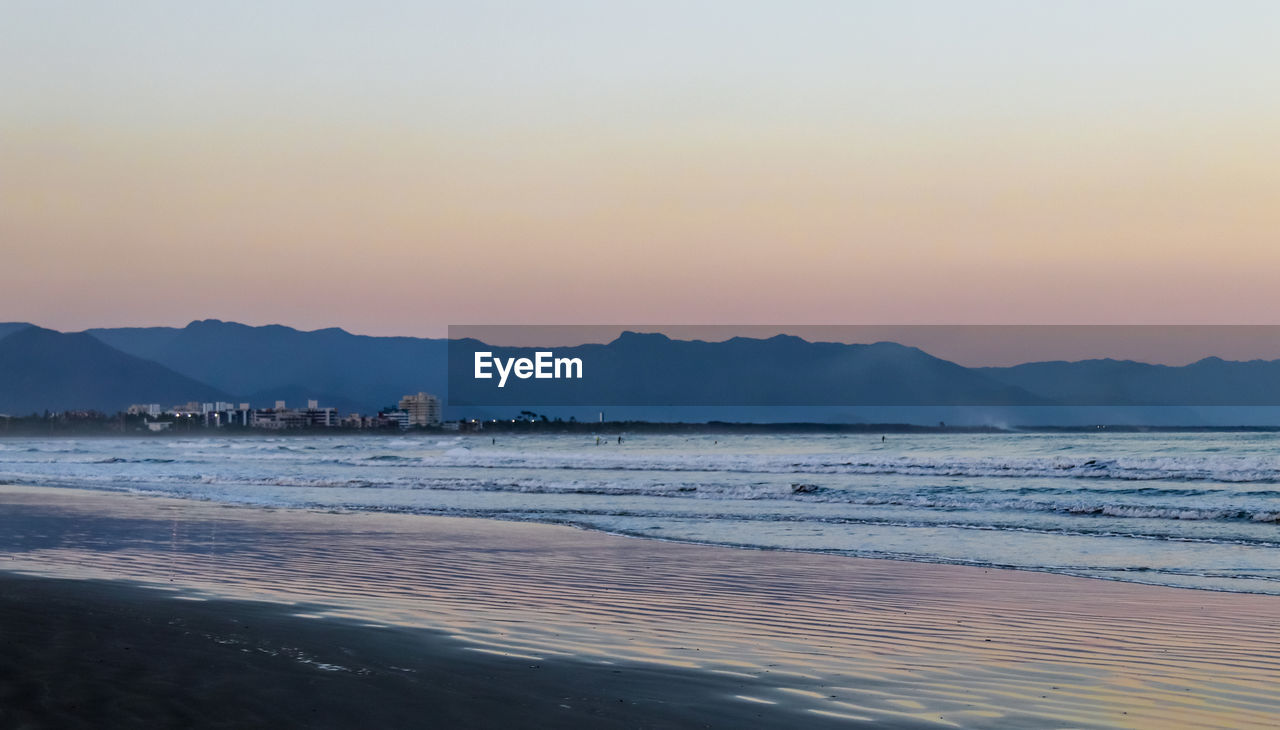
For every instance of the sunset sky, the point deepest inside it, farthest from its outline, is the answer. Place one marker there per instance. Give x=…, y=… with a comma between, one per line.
x=393, y=168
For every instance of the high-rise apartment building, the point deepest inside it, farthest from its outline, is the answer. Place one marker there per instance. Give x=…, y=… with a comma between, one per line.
x=423, y=409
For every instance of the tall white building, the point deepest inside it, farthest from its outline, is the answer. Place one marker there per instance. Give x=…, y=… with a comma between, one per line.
x=423, y=409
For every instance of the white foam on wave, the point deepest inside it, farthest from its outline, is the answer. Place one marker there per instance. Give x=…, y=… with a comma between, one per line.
x=1198, y=468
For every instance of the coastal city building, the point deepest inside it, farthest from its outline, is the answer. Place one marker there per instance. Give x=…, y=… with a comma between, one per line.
x=225, y=414
x=423, y=409
x=282, y=417
x=400, y=418
x=417, y=409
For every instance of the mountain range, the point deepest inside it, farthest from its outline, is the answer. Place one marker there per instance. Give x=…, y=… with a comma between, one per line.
x=210, y=360
x=41, y=369
x=264, y=364
x=654, y=370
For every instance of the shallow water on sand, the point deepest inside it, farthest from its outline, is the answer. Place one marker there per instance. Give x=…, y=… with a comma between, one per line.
x=1194, y=509
x=879, y=640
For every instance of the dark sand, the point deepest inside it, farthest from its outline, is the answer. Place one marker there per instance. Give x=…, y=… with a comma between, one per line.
x=94, y=654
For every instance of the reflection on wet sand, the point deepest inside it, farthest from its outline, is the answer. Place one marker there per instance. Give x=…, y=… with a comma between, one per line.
x=859, y=640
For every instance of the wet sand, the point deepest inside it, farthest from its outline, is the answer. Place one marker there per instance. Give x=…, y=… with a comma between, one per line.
x=94, y=654
x=218, y=615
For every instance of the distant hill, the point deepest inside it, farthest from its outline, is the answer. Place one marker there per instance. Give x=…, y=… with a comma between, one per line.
x=652, y=369
x=358, y=372
x=42, y=369
x=638, y=375
x=143, y=342
x=8, y=328
x=1208, y=382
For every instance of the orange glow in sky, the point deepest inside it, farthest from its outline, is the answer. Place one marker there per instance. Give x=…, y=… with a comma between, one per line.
x=392, y=169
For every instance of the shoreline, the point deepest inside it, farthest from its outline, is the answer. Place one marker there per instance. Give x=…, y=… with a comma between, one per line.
x=640, y=537
x=838, y=554
x=107, y=429
x=902, y=643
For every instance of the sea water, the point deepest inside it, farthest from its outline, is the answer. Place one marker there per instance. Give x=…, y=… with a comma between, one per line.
x=1198, y=510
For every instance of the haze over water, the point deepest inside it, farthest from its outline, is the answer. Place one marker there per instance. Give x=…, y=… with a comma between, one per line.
x=1195, y=510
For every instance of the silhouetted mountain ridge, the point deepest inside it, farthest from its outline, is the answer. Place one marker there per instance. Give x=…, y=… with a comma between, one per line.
x=43, y=369
x=215, y=360
x=652, y=369
x=8, y=328
x=239, y=358
x=1210, y=381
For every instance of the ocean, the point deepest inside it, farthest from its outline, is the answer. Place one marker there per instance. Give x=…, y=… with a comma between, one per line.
x=1197, y=510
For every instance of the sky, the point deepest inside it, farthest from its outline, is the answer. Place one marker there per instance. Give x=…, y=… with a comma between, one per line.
x=395, y=168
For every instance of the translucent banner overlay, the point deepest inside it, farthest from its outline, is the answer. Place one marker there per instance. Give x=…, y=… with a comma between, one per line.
x=864, y=365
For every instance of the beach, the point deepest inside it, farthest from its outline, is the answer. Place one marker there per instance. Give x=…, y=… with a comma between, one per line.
x=95, y=654
x=119, y=605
